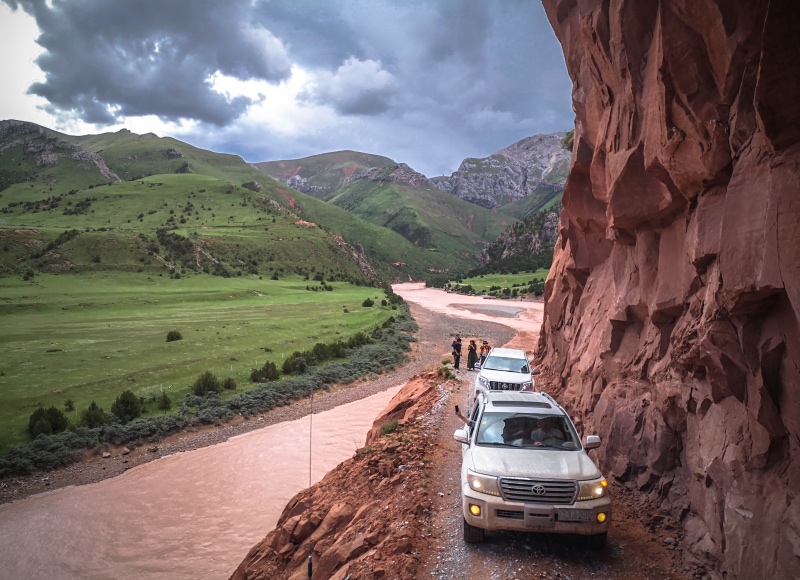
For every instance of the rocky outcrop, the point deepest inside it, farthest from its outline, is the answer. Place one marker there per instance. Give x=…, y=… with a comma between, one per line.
x=362, y=519
x=47, y=149
x=526, y=245
x=534, y=163
x=672, y=308
x=401, y=174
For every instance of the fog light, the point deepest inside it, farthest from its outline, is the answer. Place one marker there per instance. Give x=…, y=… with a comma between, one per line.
x=601, y=517
x=475, y=510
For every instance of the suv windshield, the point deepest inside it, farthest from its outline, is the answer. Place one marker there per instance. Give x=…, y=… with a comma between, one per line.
x=501, y=363
x=527, y=430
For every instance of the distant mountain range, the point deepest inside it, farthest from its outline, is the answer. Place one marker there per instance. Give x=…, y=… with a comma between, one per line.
x=522, y=178
x=393, y=195
x=369, y=215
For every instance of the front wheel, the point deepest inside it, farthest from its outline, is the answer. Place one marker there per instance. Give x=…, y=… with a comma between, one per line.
x=473, y=535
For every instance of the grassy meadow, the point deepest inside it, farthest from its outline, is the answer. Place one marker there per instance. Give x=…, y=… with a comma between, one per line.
x=90, y=336
x=484, y=283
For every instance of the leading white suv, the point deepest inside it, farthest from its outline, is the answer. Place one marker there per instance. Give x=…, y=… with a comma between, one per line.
x=524, y=468
x=505, y=369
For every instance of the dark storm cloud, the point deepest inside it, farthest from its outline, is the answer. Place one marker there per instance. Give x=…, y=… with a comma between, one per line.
x=116, y=58
x=426, y=82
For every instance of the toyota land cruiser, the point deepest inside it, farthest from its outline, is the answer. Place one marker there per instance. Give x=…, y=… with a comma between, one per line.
x=505, y=369
x=525, y=468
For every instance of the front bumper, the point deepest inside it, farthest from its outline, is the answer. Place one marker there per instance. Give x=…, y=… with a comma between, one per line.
x=498, y=514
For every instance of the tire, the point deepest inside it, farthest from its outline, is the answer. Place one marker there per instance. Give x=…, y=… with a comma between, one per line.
x=473, y=535
x=598, y=541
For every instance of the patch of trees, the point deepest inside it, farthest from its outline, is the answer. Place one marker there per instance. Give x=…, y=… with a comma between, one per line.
x=82, y=207
x=47, y=421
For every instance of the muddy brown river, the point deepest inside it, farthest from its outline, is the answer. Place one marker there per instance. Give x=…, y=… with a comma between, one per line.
x=189, y=515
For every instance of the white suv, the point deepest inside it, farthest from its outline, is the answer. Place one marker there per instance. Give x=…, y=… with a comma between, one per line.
x=505, y=369
x=524, y=468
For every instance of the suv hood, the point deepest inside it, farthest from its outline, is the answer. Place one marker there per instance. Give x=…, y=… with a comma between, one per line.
x=534, y=463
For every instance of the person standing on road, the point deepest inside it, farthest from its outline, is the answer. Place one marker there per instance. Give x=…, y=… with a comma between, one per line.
x=485, y=348
x=472, y=355
x=456, y=352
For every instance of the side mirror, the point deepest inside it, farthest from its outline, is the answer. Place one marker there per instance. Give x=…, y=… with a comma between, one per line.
x=461, y=436
x=592, y=441
x=535, y=371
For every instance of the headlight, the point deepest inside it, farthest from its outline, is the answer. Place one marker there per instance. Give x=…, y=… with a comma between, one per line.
x=483, y=381
x=593, y=489
x=482, y=483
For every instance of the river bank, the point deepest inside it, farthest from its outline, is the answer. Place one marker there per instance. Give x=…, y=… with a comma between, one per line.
x=431, y=346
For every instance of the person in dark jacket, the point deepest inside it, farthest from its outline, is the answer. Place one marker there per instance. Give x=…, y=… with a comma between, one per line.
x=456, y=352
x=472, y=355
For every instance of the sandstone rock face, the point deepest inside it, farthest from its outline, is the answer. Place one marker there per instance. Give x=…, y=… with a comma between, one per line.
x=510, y=174
x=672, y=309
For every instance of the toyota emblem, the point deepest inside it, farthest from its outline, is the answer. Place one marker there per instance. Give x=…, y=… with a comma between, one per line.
x=538, y=489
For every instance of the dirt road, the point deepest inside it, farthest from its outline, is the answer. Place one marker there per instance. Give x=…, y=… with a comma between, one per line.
x=634, y=551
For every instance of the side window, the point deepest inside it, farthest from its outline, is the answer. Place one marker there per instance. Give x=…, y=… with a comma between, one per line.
x=474, y=417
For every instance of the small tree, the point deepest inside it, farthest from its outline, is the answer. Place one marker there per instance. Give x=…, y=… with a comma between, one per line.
x=229, y=384
x=205, y=383
x=126, y=407
x=69, y=405
x=174, y=335
x=368, y=302
x=94, y=416
x=164, y=402
x=50, y=420
x=269, y=372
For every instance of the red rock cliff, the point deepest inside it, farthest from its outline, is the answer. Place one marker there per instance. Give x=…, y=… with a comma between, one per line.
x=671, y=315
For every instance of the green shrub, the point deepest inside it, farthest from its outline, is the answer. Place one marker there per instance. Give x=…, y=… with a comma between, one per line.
x=163, y=401
x=207, y=382
x=174, y=335
x=126, y=407
x=69, y=405
x=47, y=421
x=94, y=416
x=389, y=427
x=368, y=302
x=229, y=384
x=269, y=372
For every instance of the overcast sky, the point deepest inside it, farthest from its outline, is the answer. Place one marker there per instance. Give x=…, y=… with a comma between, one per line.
x=425, y=82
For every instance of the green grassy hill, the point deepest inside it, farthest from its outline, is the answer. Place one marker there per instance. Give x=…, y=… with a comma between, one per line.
x=322, y=175
x=406, y=203
x=52, y=182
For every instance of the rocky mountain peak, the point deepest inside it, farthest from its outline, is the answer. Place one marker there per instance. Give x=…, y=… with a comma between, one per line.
x=512, y=173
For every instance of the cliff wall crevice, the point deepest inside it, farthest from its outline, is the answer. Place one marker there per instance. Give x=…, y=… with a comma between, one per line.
x=672, y=310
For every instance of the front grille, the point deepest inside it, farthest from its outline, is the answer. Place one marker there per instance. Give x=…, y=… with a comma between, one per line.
x=511, y=515
x=499, y=386
x=552, y=492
